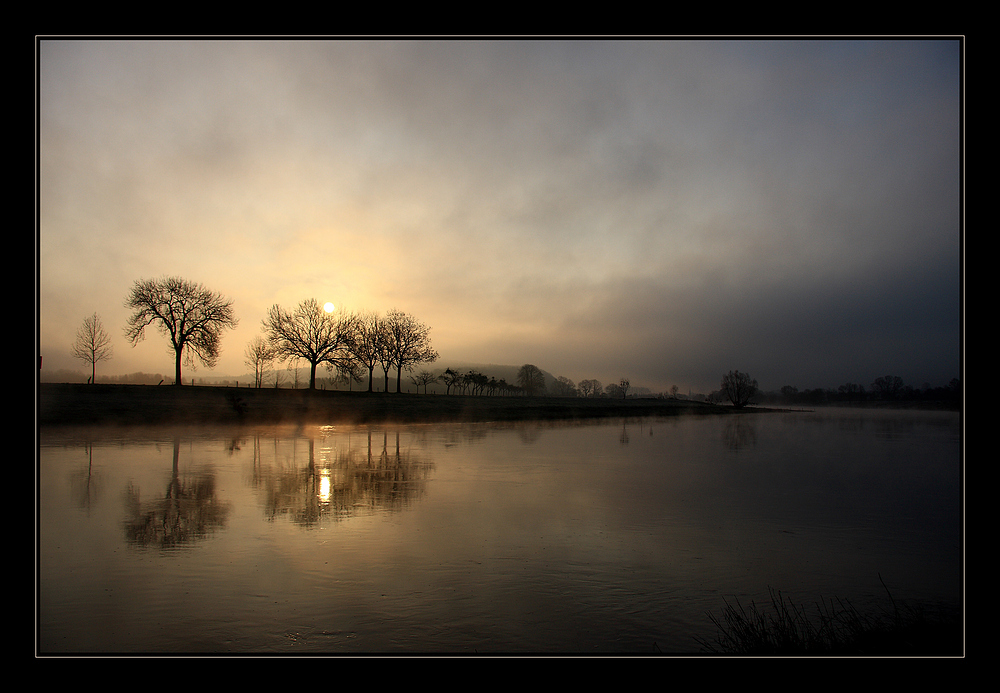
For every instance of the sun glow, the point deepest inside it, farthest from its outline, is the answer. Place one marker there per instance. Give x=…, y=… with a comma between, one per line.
x=329, y=307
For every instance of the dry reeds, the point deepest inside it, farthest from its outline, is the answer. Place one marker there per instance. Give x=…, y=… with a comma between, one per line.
x=836, y=628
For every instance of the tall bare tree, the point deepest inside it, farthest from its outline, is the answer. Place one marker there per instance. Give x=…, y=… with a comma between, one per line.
x=367, y=345
x=190, y=315
x=311, y=333
x=93, y=344
x=408, y=342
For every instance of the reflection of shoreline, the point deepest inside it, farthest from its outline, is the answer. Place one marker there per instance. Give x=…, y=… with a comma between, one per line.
x=67, y=404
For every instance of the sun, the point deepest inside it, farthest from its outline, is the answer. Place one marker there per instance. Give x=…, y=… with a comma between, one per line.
x=329, y=307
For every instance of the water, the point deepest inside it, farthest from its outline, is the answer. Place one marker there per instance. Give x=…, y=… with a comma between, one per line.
x=604, y=537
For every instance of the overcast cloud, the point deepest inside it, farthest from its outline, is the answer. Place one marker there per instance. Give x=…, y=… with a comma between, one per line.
x=661, y=210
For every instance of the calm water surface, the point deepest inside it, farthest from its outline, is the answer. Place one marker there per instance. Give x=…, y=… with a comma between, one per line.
x=605, y=537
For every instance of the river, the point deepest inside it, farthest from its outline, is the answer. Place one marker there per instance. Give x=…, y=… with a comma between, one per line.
x=603, y=537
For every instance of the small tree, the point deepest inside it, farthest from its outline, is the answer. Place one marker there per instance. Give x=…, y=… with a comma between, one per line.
x=192, y=316
x=451, y=378
x=92, y=344
x=624, y=384
x=259, y=357
x=739, y=388
x=424, y=378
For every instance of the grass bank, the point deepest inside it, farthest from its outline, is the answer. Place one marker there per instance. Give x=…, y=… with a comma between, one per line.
x=81, y=404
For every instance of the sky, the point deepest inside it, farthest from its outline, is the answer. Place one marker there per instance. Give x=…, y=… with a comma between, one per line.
x=664, y=210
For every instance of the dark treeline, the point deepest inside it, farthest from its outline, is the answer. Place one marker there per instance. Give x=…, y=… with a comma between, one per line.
x=886, y=389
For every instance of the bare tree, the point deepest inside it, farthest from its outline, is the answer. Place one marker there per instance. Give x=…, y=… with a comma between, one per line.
x=408, y=343
x=590, y=388
x=532, y=379
x=739, y=388
x=310, y=333
x=368, y=343
x=424, y=378
x=348, y=373
x=92, y=344
x=624, y=384
x=451, y=378
x=259, y=357
x=192, y=316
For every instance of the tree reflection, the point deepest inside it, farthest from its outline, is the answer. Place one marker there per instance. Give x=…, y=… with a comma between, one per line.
x=336, y=482
x=739, y=433
x=84, y=483
x=189, y=510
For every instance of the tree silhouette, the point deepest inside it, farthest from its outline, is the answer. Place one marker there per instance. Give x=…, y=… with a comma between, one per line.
x=531, y=378
x=368, y=343
x=92, y=344
x=424, y=378
x=564, y=387
x=887, y=387
x=408, y=343
x=258, y=356
x=451, y=378
x=624, y=384
x=192, y=316
x=739, y=388
x=311, y=333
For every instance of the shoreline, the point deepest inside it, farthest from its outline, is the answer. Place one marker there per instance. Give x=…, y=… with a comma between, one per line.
x=73, y=404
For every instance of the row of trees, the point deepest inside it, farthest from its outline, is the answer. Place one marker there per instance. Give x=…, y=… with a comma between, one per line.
x=349, y=344
x=530, y=381
x=194, y=318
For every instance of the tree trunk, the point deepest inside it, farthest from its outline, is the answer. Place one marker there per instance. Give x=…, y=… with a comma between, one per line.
x=177, y=369
x=312, y=376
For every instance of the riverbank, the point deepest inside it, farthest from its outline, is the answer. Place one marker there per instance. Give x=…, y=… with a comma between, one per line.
x=79, y=404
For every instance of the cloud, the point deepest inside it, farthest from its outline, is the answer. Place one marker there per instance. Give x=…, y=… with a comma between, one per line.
x=668, y=208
